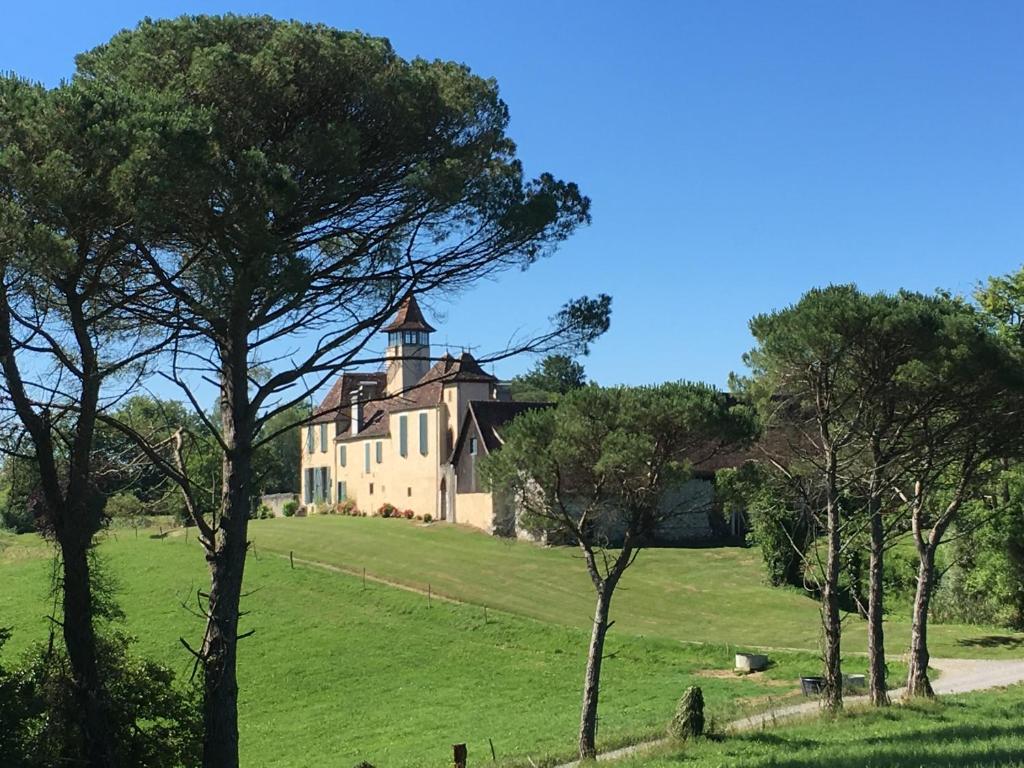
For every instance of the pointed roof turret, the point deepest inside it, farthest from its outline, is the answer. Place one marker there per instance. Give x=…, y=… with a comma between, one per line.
x=409, y=318
x=466, y=368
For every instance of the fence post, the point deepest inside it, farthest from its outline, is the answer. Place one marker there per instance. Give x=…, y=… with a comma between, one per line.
x=494, y=757
x=459, y=755
x=291, y=558
x=428, y=595
x=364, y=578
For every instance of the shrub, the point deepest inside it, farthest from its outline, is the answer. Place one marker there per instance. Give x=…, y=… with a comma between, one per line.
x=428, y=517
x=290, y=508
x=409, y=514
x=347, y=507
x=418, y=517
x=387, y=510
x=155, y=722
x=688, y=722
x=125, y=507
x=264, y=512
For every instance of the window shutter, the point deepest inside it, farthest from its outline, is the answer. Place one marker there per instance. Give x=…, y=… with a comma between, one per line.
x=380, y=451
x=403, y=436
x=309, y=439
x=366, y=457
x=342, y=455
x=323, y=438
x=424, y=445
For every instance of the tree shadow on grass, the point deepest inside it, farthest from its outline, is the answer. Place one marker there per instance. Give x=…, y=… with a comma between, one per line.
x=992, y=641
x=901, y=750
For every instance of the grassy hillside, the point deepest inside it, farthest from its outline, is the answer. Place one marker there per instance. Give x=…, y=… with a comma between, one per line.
x=981, y=729
x=702, y=595
x=336, y=674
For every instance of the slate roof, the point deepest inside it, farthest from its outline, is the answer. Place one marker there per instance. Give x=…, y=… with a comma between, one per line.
x=427, y=392
x=338, y=400
x=489, y=416
x=409, y=318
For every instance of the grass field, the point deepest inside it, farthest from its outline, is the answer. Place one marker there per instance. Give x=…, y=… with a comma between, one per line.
x=699, y=595
x=338, y=673
x=972, y=731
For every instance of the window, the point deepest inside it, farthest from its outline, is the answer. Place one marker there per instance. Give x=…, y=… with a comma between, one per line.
x=424, y=446
x=408, y=491
x=472, y=446
x=323, y=438
x=403, y=436
x=380, y=451
x=342, y=455
x=397, y=338
x=366, y=458
x=371, y=489
x=318, y=485
x=309, y=439
x=342, y=491
x=307, y=489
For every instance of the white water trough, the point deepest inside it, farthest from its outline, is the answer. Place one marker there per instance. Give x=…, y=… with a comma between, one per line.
x=751, y=662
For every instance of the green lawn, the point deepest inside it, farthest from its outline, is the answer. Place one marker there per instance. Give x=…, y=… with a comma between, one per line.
x=336, y=674
x=702, y=595
x=972, y=731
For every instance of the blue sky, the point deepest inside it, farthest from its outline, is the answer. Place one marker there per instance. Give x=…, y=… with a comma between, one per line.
x=736, y=153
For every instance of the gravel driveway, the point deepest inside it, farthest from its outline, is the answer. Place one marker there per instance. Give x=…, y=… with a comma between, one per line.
x=957, y=676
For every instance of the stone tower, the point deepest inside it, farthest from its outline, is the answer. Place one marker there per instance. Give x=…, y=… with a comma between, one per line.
x=408, y=352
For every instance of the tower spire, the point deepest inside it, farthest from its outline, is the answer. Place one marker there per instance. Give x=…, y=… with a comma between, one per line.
x=408, y=352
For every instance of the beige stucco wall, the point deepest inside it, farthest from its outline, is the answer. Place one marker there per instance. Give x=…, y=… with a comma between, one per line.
x=318, y=458
x=407, y=482
x=476, y=509
x=457, y=397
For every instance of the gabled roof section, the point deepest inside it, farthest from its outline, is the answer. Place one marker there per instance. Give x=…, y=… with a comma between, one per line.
x=409, y=318
x=338, y=400
x=487, y=416
x=426, y=393
x=466, y=368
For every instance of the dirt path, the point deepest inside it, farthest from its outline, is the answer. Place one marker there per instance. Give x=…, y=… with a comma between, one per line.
x=958, y=676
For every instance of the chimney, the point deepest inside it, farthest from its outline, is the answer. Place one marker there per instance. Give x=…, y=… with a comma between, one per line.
x=363, y=392
x=357, y=411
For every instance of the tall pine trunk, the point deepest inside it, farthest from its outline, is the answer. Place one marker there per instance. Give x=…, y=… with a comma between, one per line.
x=80, y=641
x=830, y=619
x=877, y=688
x=68, y=506
x=227, y=568
x=918, y=683
x=592, y=679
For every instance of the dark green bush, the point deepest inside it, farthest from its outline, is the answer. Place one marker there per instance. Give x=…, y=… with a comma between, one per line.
x=290, y=508
x=156, y=724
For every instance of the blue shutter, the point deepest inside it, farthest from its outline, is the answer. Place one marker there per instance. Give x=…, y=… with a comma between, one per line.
x=380, y=451
x=308, y=495
x=342, y=491
x=366, y=463
x=318, y=491
x=309, y=439
x=323, y=438
x=342, y=455
x=424, y=446
x=403, y=435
